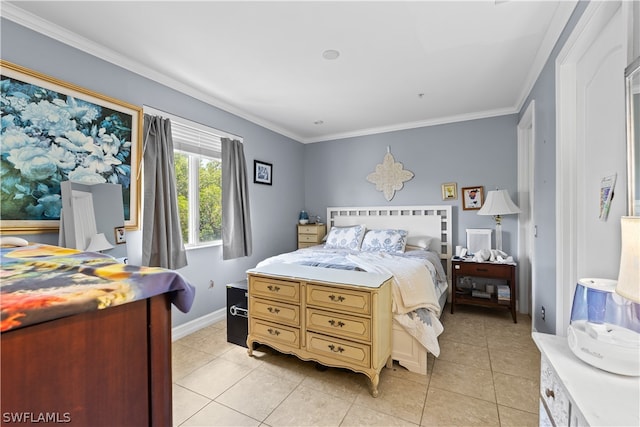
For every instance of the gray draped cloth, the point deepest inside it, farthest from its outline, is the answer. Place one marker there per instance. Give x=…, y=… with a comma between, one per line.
x=162, y=244
x=236, y=218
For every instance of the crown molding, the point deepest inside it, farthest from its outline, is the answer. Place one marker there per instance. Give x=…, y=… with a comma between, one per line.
x=39, y=25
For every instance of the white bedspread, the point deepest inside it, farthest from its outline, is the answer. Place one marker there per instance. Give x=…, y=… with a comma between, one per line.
x=415, y=302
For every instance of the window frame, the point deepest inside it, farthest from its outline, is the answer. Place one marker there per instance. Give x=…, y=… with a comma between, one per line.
x=193, y=164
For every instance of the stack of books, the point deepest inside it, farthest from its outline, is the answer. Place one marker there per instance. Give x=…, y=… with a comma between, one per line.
x=504, y=293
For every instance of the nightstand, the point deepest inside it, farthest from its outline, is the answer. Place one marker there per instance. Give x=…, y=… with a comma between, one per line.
x=311, y=234
x=486, y=284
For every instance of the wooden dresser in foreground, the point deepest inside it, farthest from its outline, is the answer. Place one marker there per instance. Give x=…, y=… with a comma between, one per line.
x=337, y=318
x=311, y=234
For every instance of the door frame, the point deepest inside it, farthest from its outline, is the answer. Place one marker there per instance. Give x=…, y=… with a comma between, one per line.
x=526, y=174
x=594, y=19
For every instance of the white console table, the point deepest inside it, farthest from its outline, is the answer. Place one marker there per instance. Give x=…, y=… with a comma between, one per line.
x=573, y=392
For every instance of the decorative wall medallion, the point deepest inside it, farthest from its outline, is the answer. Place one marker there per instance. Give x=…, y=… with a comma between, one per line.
x=389, y=176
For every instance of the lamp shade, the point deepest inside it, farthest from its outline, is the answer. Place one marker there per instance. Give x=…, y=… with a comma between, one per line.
x=98, y=243
x=498, y=202
x=629, y=277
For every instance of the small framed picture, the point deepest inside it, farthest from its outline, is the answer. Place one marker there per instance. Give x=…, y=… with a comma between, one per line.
x=120, y=235
x=262, y=172
x=472, y=198
x=449, y=191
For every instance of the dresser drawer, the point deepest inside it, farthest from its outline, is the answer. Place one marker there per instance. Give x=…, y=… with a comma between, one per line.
x=553, y=394
x=350, y=352
x=340, y=325
x=276, y=311
x=276, y=333
x=483, y=269
x=281, y=290
x=352, y=301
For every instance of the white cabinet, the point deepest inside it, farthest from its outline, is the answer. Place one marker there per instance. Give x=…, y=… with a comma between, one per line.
x=574, y=393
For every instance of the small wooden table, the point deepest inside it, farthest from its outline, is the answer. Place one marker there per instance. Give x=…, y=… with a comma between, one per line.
x=486, y=284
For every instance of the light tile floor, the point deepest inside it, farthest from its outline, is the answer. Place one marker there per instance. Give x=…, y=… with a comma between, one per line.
x=487, y=374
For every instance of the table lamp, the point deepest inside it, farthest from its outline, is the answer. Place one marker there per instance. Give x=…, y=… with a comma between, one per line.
x=98, y=243
x=498, y=203
x=628, y=284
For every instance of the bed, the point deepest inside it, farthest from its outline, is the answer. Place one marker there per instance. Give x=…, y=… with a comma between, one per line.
x=86, y=340
x=426, y=261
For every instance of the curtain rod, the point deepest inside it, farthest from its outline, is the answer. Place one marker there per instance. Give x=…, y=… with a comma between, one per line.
x=218, y=132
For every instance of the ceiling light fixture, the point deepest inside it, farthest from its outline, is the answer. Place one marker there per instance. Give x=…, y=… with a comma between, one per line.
x=330, y=54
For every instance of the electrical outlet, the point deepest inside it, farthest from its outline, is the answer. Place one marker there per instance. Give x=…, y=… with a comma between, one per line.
x=542, y=312
x=211, y=283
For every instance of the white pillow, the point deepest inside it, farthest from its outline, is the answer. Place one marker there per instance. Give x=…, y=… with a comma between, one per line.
x=420, y=242
x=345, y=237
x=391, y=241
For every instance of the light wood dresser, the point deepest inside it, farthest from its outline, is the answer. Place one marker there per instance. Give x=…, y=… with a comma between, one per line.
x=338, y=318
x=311, y=234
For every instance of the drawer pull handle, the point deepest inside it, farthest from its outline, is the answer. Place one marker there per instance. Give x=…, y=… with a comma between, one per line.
x=335, y=349
x=273, y=332
x=550, y=393
x=338, y=298
x=483, y=269
x=273, y=310
x=334, y=323
x=273, y=288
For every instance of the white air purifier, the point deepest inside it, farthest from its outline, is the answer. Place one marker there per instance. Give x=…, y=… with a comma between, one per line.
x=605, y=327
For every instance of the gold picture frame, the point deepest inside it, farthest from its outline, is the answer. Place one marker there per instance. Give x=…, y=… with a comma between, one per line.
x=449, y=191
x=55, y=131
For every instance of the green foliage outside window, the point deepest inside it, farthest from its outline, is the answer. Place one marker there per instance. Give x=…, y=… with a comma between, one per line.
x=207, y=190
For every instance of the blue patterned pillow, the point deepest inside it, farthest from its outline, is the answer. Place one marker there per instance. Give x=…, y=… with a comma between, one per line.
x=391, y=241
x=345, y=237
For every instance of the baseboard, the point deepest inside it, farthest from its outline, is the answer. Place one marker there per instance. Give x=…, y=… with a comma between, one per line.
x=194, y=325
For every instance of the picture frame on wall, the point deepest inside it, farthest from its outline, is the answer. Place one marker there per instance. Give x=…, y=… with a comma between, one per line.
x=472, y=198
x=55, y=131
x=262, y=172
x=120, y=236
x=449, y=191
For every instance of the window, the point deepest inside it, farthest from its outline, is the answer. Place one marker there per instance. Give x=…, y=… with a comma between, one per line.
x=198, y=166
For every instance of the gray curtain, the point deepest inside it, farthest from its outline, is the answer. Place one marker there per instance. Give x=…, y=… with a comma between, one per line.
x=236, y=220
x=162, y=244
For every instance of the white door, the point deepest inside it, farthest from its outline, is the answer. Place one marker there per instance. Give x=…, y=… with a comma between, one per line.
x=591, y=143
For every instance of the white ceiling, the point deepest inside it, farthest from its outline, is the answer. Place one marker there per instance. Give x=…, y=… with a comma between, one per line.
x=401, y=64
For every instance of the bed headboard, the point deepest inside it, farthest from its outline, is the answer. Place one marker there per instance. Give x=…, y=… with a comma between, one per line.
x=430, y=220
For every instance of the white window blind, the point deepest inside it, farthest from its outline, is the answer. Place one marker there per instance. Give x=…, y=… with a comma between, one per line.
x=195, y=141
x=193, y=137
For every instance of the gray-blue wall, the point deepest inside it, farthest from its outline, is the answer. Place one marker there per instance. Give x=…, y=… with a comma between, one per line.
x=274, y=209
x=471, y=153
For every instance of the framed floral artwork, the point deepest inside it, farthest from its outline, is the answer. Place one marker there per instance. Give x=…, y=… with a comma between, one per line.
x=472, y=198
x=53, y=131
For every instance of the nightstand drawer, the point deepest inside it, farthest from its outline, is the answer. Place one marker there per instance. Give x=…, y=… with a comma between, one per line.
x=275, y=311
x=483, y=269
x=339, y=299
x=308, y=238
x=339, y=324
x=275, y=289
x=315, y=230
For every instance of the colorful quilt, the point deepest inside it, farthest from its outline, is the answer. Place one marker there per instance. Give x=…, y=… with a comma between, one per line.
x=43, y=282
